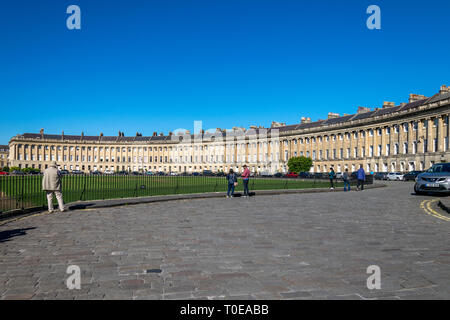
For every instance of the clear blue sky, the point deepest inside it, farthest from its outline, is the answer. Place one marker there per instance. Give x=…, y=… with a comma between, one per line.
x=158, y=65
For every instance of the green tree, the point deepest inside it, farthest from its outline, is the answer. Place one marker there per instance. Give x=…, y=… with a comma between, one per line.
x=299, y=164
x=6, y=169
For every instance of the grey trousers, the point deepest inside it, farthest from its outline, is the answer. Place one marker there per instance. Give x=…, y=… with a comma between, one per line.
x=59, y=197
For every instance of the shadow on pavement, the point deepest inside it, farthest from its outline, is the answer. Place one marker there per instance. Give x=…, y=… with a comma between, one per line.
x=8, y=234
x=80, y=206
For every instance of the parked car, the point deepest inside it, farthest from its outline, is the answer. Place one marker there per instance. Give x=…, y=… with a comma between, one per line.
x=122, y=173
x=278, y=175
x=77, y=172
x=17, y=172
x=160, y=173
x=3, y=173
x=109, y=172
x=291, y=175
x=435, y=179
x=149, y=173
x=95, y=172
x=411, y=176
x=395, y=176
x=195, y=173
x=265, y=174
x=380, y=176
x=339, y=175
x=207, y=173
x=173, y=174
x=220, y=174
x=305, y=175
x=135, y=173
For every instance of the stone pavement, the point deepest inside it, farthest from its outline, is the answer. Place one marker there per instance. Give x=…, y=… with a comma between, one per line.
x=444, y=204
x=293, y=246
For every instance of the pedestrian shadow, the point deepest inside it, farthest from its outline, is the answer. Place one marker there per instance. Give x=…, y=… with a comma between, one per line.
x=80, y=206
x=8, y=234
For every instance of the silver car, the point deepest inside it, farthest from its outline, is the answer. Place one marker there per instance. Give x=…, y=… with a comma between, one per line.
x=435, y=179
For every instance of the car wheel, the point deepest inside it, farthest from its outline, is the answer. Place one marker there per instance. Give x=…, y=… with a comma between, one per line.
x=418, y=192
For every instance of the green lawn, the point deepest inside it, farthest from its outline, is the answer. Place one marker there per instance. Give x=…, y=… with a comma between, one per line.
x=109, y=187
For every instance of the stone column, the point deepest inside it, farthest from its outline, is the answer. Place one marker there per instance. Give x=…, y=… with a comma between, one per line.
x=440, y=134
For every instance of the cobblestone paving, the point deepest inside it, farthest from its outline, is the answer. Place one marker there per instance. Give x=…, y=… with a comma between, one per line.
x=297, y=246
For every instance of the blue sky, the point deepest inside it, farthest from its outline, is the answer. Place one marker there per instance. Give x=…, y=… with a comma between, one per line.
x=144, y=66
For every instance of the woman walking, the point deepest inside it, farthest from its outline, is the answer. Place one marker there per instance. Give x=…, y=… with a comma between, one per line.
x=232, y=182
x=245, y=178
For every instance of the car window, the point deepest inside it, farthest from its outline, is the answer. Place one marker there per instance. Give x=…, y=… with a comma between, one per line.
x=445, y=167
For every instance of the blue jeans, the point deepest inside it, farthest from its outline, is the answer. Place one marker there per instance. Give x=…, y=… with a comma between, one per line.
x=346, y=184
x=230, y=188
x=245, y=187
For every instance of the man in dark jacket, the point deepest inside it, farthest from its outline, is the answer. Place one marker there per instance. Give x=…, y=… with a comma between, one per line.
x=232, y=182
x=346, y=179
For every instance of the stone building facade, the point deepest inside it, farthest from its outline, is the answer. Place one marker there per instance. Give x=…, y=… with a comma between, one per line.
x=4, y=154
x=405, y=137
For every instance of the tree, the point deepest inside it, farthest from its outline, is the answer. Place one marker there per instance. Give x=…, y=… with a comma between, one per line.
x=299, y=164
x=6, y=169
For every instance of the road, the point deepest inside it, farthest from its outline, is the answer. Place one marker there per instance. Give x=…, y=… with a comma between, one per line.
x=293, y=246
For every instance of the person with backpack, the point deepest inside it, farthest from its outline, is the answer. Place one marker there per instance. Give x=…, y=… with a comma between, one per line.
x=232, y=182
x=346, y=179
x=332, y=176
x=245, y=178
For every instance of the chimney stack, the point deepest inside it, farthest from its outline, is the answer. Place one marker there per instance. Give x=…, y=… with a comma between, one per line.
x=332, y=115
x=155, y=134
x=42, y=133
x=444, y=89
x=363, y=109
x=387, y=104
x=416, y=97
x=305, y=120
x=277, y=124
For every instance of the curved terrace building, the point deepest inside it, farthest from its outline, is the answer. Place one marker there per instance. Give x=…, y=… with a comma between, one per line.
x=409, y=136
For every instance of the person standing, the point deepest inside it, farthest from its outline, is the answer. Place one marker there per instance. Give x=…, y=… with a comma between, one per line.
x=346, y=179
x=331, y=175
x=245, y=178
x=51, y=184
x=232, y=182
x=361, y=176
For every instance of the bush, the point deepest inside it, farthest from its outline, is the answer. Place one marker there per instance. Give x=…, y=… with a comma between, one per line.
x=299, y=164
